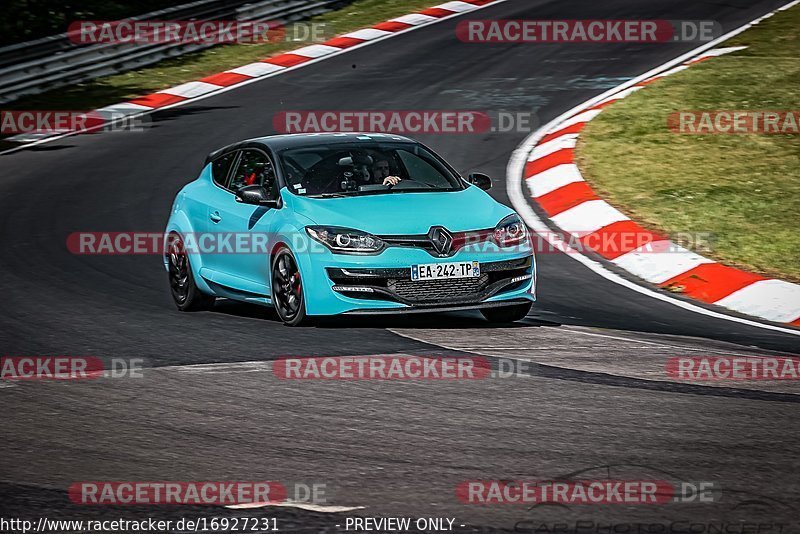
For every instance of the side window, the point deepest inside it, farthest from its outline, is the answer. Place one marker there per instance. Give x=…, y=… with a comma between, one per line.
x=220, y=168
x=255, y=168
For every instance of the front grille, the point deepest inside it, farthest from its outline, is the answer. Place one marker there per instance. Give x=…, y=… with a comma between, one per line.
x=427, y=291
x=424, y=241
x=395, y=284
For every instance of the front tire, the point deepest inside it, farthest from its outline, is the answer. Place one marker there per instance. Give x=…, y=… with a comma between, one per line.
x=287, y=289
x=185, y=293
x=506, y=314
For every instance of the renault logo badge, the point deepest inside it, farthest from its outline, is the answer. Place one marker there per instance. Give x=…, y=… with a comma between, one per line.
x=441, y=239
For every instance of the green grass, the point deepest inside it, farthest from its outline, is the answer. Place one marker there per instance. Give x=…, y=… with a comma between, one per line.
x=117, y=88
x=743, y=189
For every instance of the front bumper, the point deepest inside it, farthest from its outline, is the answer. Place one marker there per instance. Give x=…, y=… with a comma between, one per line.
x=337, y=284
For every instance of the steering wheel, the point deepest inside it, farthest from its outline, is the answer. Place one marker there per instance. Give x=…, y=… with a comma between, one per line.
x=324, y=176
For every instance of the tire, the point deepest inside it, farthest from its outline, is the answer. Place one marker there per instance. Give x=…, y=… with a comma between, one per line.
x=185, y=293
x=287, y=289
x=506, y=314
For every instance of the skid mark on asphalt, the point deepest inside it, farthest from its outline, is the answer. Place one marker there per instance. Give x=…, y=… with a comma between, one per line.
x=223, y=368
x=323, y=509
x=589, y=351
x=257, y=366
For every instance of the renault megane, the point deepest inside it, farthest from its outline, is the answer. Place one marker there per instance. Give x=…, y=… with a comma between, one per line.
x=325, y=224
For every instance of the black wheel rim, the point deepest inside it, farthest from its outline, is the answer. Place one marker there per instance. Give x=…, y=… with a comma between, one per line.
x=178, y=271
x=287, y=287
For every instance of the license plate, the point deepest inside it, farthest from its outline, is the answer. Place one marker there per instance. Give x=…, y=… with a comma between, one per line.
x=437, y=271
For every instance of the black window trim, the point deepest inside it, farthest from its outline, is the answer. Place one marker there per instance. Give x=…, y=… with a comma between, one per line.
x=236, y=156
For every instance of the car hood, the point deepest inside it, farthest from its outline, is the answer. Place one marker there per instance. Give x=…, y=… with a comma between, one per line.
x=405, y=213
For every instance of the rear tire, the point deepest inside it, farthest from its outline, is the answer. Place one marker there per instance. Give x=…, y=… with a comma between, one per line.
x=185, y=293
x=287, y=289
x=507, y=314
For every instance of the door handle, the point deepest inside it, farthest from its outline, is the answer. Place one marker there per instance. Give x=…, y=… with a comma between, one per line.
x=215, y=217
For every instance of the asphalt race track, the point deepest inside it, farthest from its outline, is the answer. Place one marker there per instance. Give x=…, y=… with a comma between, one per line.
x=209, y=408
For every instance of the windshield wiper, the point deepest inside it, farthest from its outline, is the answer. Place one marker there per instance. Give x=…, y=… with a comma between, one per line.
x=380, y=192
x=419, y=190
x=330, y=195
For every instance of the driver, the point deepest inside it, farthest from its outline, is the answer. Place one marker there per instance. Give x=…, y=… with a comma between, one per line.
x=381, y=173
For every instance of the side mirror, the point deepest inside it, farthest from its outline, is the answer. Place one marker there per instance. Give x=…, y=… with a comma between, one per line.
x=256, y=195
x=481, y=180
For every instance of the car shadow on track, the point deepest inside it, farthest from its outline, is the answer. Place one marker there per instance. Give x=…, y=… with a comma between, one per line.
x=439, y=321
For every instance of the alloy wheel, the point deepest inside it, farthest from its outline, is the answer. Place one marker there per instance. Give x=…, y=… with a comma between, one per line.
x=287, y=287
x=178, y=270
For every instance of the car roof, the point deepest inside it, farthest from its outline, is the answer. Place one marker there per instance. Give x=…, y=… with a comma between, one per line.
x=280, y=142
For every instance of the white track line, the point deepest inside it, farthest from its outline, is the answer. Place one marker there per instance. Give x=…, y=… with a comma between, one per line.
x=515, y=177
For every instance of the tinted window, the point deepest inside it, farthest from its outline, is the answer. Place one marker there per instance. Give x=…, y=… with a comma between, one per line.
x=220, y=168
x=421, y=166
x=361, y=168
x=254, y=168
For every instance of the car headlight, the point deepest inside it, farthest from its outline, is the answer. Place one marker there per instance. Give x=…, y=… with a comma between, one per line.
x=510, y=231
x=346, y=240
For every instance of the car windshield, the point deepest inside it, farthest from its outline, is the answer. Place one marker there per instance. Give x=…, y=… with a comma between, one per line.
x=369, y=168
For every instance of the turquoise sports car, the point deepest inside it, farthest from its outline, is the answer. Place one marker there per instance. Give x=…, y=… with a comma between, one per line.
x=326, y=224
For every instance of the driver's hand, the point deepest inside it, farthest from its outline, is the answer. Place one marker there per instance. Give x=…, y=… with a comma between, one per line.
x=391, y=180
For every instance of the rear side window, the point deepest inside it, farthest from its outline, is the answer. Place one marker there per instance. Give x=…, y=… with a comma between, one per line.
x=220, y=168
x=254, y=168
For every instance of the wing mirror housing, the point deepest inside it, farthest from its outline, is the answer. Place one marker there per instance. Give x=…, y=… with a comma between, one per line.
x=481, y=180
x=256, y=195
